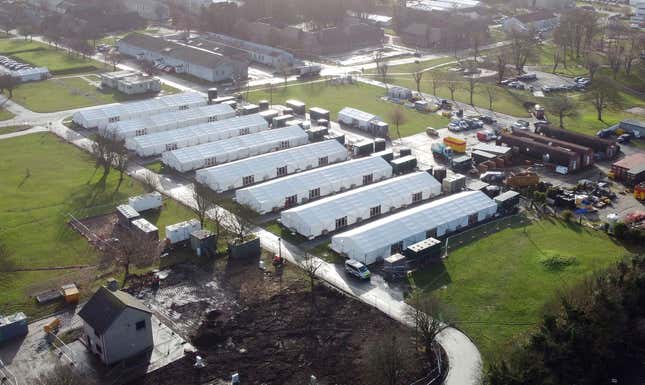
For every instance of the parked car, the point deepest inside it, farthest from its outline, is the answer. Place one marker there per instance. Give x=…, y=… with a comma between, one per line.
x=487, y=119
x=520, y=125
x=454, y=126
x=357, y=269
x=624, y=138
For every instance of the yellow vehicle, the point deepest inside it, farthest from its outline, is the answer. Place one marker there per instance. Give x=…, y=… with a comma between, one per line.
x=457, y=144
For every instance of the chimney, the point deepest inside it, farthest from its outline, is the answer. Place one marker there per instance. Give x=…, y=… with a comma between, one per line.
x=112, y=284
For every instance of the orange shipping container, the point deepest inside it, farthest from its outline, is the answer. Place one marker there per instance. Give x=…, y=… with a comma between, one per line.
x=457, y=144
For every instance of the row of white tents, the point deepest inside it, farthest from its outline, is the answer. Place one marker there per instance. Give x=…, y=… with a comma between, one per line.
x=269, y=166
x=240, y=147
x=169, y=121
x=384, y=237
x=305, y=186
x=338, y=211
x=160, y=142
x=101, y=117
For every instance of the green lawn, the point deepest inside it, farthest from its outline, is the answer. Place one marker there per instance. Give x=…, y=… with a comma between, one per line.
x=499, y=286
x=44, y=180
x=5, y=114
x=11, y=46
x=361, y=96
x=12, y=129
x=414, y=67
x=58, y=62
x=68, y=93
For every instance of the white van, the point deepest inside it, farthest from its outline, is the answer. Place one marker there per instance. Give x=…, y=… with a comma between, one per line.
x=357, y=269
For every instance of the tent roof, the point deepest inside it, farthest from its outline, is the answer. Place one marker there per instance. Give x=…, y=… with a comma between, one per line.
x=394, y=228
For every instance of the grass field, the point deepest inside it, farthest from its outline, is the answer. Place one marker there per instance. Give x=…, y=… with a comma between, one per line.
x=361, y=96
x=498, y=287
x=58, y=61
x=5, y=114
x=68, y=93
x=414, y=67
x=12, y=129
x=44, y=180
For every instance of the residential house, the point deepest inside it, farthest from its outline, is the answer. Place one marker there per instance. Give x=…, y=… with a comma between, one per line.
x=535, y=21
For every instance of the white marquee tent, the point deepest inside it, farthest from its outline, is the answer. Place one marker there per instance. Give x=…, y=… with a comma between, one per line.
x=382, y=238
x=265, y=167
x=309, y=185
x=102, y=116
x=169, y=121
x=157, y=143
x=323, y=216
x=228, y=150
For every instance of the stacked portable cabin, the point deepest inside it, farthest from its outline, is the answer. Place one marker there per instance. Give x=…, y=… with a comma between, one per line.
x=101, y=117
x=228, y=150
x=169, y=121
x=180, y=232
x=144, y=202
x=339, y=211
x=145, y=229
x=265, y=167
x=309, y=185
x=393, y=234
x=158, y=143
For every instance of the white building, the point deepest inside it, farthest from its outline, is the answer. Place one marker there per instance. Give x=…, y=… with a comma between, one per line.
x=116, y=325
x=390, y=235
x=537, y=21
x=207, y=65
x=339, y=211
x=31, y=74
x=222, y=151
x=157, y=143
x=138, y=84
x=100, y=117
x=303, y=187
x=169, y=121
x=265, y=167
x=364, y=121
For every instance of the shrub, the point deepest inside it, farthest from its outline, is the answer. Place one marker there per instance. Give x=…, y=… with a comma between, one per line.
x=567, y=215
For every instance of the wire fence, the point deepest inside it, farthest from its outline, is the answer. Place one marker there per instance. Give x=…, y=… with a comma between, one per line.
x=484, y=230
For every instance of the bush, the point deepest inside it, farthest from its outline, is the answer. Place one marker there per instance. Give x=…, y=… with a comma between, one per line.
x=567, y=215
x=620, y=230
x=558, y=262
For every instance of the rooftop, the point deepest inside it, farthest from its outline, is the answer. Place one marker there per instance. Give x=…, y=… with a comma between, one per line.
x=634, y=163
x=106, y=306
x=442, y=5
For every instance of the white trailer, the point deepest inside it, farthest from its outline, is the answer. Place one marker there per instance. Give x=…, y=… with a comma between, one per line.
x=157, y=143
x=101, y=117
x=265, y=167
x=169, y=121
x=390, y=235
x=310, y=185
x=144, y=202
x=180, y=232
x=339, y=211
x=228, y=150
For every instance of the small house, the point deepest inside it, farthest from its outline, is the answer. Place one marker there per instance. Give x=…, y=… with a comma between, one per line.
x=116, y=325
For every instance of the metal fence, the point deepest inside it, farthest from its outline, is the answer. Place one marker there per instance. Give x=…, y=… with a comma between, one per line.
x=484, y=230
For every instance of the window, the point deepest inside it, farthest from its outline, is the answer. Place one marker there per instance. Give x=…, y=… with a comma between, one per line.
x=472, y=219
x=291, y=201
x=315, y=193
x=140, y=325
x=247, y=180
x=98, y=348
x=114, y=119
x=140, y=132
x=171, y=146
x=368, y=178
x=210, y=161
x=396, y=247
x=341, y=222
x=281, y=171
x=417, y=197
x=182, y=108
x=374, y=211
x=245, y=131
x=323, y=161
x=432, y=233
x=212, y=119
x=284, y=144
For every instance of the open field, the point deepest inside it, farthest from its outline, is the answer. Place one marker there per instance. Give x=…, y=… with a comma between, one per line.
x=69, y=93
x=414, y=67
x=12, y=129
x=5, y=114
x=44, y=180
x=59, y=61
x=361, y=96
x=499, y=286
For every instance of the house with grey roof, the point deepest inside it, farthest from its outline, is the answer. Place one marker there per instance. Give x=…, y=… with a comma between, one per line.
x=116, y=325
x=199, y=62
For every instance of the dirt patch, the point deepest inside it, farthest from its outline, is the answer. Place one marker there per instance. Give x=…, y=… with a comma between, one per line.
x=276, y=336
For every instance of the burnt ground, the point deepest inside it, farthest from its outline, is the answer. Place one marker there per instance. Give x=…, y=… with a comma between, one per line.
x=275, y=336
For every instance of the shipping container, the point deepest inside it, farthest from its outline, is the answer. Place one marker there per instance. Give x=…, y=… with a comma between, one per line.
x=317, y=113
x=13, y=326
x=150, y=201
x=298, y=107
x=404, y=164
x=180, y=232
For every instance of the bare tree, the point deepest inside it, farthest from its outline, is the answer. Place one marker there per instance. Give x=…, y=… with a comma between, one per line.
x=614, y=57
x=240, y=221
x=592, y=65
x=285, y=71
x=472, y=84
x=417, y=77
x=381, y=67
x=131, y=248
x=104, y=151
x=205, y=201
x=491, y=92
x=601, y=94
x=9, y=83
x=501, y=60
x=121, y=159
x=150, y=181
x=65, y=375
x=429, y=318
x=387, y=359
x=397, y=117
x=311, y=264
x=435, y=78
x=562, y=107
x=113, y=57
x=452, y=82
x=522, y=48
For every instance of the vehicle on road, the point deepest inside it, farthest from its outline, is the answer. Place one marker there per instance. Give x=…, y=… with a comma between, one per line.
x=357, y=269
x=520, y=125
